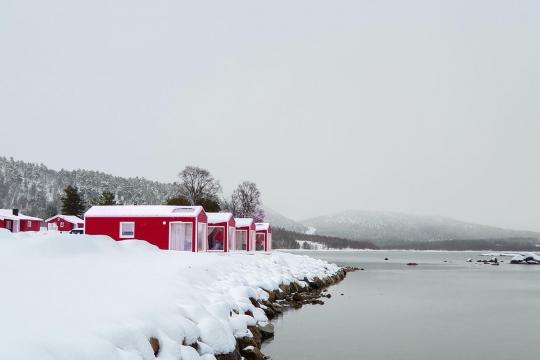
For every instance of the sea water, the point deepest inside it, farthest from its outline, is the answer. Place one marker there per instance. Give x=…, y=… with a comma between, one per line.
x=444, y=308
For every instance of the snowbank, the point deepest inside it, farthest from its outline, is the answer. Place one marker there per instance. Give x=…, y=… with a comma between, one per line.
x=89, y=297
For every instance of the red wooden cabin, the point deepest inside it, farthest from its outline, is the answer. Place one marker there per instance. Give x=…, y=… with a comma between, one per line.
x=168, y=227
x=245, y=234
x=221, y=232
x=263, y=237
x=15, y=221
x=64, y=223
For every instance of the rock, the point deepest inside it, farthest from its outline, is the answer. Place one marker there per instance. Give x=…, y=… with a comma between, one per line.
x=154, y=343
x=362, y=269
x=297, y=297
x=235, y=355
x=252, y=353
x=469, y=260
x=385, y=259
x=254, y=302
x=246, y=341
x=270, y=314
x=267, y=331
x=412, y=264
x=342, y=294
x=257, y=336
x=272, y=296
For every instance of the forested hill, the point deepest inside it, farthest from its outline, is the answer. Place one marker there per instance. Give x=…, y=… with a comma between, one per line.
x=36, y=189
x=286, y=239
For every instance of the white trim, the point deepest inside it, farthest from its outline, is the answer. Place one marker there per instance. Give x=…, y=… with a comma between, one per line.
x=121, y=236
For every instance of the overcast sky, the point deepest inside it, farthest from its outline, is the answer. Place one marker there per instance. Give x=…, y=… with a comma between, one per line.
x=426, y=107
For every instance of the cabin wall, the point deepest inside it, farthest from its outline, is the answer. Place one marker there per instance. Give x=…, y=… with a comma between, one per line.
x=29, y=225
x=155, y=230
x=67, y=226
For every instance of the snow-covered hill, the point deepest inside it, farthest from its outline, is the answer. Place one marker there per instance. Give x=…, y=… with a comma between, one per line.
x=36, y=190
x=396, y=227
x=278, y=220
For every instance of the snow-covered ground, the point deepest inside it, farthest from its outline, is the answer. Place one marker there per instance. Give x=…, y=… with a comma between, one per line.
x=89, y=297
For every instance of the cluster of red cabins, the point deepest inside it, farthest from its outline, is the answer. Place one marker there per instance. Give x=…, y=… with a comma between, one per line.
x=185, y=228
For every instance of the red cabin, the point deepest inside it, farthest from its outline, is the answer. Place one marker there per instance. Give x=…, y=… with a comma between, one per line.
x=168, y=227
x=221, y=231
x=64, y=223
x=245, y=234
x=15, y=221
x=263, y=237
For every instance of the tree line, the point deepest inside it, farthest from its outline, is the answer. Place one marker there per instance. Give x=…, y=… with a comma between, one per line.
x=195, y=186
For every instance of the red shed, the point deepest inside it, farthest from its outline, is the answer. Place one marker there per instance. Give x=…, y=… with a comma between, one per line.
x=15, y=221
x=64, y=223
x=263, y=237
x=245, y=234
x=167, y=227
x=221, y=231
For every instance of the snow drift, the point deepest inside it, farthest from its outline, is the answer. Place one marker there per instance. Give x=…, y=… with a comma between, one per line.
x=89, y=297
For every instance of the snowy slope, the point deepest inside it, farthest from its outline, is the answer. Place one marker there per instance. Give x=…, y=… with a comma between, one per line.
x=392, y=226
x=89, y=297
x=278, y=220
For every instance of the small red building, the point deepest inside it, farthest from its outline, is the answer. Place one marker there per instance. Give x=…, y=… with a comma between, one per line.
x=168, y=227
x=221, y=232
x=64, y=223
x=15, y=221
x=245, y=234
x=263, y=237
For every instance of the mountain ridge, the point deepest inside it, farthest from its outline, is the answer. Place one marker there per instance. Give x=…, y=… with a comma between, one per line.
x=388, y=226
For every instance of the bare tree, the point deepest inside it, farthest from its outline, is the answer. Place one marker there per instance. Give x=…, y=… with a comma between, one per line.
x=246, y=201
x=198, y=186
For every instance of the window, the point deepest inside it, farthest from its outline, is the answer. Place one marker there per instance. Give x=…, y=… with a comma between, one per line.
x=127, y=230
x=241, y=240
x=259, y=243
x=61, y=224
x=29, y=223
x=216, y=238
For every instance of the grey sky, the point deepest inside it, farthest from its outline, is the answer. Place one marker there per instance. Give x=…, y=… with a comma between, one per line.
x=429, y=107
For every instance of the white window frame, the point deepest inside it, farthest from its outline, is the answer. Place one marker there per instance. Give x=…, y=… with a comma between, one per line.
x=121, y=235
x=61, y=224
x=29, y=223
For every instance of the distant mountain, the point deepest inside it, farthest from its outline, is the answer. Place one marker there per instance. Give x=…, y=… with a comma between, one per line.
x=392, y=227
x=280, y=221
x=36, y=189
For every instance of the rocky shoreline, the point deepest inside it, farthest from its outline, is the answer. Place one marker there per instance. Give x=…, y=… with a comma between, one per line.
x=292, y=296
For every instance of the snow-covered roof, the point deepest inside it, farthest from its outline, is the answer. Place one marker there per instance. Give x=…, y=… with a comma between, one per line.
x=214, y=218
x=241, y=222
x=69, y=218
x=143, y=211
x=8, y=214
x=262, y=226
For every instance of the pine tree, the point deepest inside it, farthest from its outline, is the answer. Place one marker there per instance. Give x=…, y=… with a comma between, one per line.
x=106, y=198
x=72, y=202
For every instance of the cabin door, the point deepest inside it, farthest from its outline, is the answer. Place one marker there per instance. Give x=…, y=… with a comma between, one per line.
x=181, y=236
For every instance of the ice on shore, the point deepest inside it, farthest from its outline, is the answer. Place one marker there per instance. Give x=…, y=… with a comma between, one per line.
x=89, y=297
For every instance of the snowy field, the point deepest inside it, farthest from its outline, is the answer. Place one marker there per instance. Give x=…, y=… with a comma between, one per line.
x=88, y=297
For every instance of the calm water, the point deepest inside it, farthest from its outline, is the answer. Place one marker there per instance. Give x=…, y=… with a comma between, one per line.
x=437, y=310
